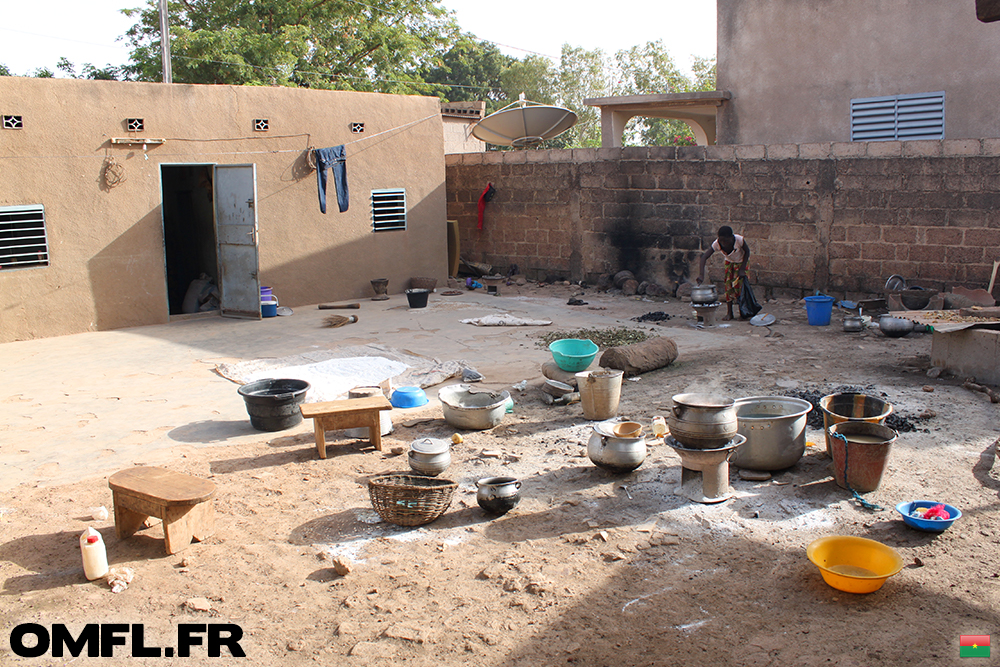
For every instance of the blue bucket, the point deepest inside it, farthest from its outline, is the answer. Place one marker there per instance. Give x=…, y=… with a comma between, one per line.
x=819, y=309
x=269, y=308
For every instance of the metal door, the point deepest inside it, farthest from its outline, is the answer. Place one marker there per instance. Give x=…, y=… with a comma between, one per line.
x=236, y=234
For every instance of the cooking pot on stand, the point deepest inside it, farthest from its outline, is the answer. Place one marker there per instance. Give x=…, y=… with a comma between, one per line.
x=704, y=294
x=703, y=421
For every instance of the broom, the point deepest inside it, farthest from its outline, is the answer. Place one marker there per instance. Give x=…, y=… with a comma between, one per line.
x=339, y=320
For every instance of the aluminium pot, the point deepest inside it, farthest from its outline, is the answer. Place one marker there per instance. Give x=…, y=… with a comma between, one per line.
x=704, y=294
x=775, y=431
x=474, y=411
x=894, y=327
x=430, y=456
x=613, y=453
x=703, y=421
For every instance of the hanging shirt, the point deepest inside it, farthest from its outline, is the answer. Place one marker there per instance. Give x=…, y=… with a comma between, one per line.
x=736, y=256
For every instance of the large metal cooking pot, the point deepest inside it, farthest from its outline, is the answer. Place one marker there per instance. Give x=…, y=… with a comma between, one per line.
x=703, y=421
x=704, y=294
x=775, y=429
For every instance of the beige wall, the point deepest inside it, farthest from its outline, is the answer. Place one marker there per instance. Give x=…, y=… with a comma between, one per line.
x=793, y=66
x=106, y=245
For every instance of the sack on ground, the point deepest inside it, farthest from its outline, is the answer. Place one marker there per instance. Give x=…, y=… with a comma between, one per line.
x=748, y=304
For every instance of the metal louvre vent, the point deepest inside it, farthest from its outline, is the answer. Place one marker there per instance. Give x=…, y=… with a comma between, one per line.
x=898, y=117
x=22, y=237
x=388, y=210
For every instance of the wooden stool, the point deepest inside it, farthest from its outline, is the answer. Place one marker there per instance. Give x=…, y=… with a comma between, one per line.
x=181, y=501
x=348, y=413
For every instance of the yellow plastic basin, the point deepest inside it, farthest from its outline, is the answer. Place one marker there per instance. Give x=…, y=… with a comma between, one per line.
x=854, y=564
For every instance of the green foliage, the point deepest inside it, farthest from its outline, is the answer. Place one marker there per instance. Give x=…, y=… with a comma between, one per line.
x=341, y=44
x=470, y=71
x=107, y=73
x=43, y=73
x=4, y=70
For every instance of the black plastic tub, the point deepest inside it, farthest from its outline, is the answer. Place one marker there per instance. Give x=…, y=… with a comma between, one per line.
x=417, y=298
x=273, y=405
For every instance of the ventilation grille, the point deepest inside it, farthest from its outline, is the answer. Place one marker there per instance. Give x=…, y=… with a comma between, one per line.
x=22, y=237
x=388, y=210
x=898, y=117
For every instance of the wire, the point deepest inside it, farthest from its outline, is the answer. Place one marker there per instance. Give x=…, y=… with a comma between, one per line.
x=264, y=152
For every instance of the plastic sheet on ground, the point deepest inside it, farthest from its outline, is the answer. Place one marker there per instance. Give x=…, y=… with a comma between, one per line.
x=333, y=373
x=506, y=320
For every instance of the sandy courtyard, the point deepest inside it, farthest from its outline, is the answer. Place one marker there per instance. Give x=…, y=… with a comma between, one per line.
x=591, y=568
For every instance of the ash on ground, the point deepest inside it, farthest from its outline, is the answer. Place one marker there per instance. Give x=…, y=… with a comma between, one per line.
x=900, y=423
x=656, y=316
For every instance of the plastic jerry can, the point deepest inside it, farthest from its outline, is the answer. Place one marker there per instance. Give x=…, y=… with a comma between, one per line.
x=95, y=556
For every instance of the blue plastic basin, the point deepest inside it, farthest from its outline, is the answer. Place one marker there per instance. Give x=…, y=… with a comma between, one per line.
x=408, y=397
x=929, y=525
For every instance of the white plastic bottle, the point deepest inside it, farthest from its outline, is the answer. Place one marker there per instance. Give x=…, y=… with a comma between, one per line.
x=95, y=557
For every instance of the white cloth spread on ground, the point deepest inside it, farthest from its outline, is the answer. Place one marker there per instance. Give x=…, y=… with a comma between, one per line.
x=333, y=373
x=506, y=320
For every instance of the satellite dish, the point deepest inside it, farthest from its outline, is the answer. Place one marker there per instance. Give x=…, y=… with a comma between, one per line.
x=524, y=123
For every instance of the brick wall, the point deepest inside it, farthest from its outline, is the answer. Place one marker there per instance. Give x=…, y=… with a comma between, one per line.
x=840, y=217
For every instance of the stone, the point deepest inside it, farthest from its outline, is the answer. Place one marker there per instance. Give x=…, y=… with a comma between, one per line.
x=198, y=604
x=928, y=388
x=410, y=633
x=342, y=566
x=657, y=291
x=935, y=372
x=641, y=289
x=754, y=475
x=630, y=287
x=491, y=453
x=347, y=628
x=684, y=290
x=553, y=372
x=373, y=650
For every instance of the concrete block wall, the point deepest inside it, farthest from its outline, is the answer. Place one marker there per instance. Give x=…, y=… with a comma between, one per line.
x=830, y=216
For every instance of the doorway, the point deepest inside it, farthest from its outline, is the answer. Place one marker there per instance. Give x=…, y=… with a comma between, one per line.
x=188, y=230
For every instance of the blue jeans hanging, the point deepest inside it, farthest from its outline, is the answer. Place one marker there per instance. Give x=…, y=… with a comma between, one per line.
x=332, y=158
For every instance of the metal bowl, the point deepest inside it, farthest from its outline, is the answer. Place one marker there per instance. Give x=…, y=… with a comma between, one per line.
x=894, y=327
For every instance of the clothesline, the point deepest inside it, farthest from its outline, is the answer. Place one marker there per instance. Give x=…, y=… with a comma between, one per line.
x=264, y=152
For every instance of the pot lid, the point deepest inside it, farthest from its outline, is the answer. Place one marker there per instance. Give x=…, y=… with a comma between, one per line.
x=430, y=446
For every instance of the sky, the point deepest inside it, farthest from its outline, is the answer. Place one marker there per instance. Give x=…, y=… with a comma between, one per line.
x=37, y=34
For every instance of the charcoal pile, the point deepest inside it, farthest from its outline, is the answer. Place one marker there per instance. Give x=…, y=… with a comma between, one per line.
x=656, y=316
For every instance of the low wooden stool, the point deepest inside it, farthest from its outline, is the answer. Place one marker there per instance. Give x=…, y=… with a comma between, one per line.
x=348, y=413
x=181, y=501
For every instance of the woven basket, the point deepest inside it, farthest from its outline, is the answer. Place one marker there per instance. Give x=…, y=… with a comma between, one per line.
x=410, y=500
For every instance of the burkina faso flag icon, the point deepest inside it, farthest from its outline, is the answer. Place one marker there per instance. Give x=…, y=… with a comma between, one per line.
x=974, y=646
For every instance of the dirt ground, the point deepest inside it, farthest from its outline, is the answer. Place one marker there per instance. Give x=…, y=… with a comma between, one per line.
x=592, y=568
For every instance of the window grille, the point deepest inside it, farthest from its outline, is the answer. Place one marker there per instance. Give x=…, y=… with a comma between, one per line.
x=261, y=125
x=388, y=210
x=23, y=242
x=12, y=122
x=898, y=117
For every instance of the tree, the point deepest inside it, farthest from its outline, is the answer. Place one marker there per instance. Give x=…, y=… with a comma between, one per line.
x=582, y=74
x=649, y=69
x=43, y=73
x=107, y=73
x=342, y=44
x=4, y=70
x=470, y=71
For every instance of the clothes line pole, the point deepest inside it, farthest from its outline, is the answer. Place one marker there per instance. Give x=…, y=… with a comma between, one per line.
x=168, y=76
